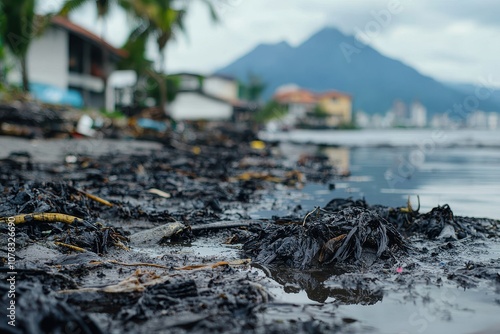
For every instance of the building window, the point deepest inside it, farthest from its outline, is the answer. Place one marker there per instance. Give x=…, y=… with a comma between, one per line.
x=96, y=60
x=75, y=63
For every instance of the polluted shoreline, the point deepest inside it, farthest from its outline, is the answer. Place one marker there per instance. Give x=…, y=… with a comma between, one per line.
x=160, y=237
x=424, y=139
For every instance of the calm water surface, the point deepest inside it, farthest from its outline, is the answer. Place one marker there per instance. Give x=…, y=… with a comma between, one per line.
x=386, y=171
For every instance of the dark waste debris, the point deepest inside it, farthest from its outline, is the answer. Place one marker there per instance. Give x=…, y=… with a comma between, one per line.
x=352, y=235
x=113, y=242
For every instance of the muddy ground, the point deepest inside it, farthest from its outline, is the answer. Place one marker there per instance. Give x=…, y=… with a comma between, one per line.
x=159, y=238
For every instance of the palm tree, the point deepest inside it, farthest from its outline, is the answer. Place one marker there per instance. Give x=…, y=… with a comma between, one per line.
x=162, y=19
x=101, y=5
x=17, y=30
x=158, y=20
x=103, y=8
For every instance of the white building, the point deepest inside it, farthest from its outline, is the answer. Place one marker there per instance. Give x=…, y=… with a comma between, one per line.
x=223, y=87
x=377, y=121
x=199, y=106
x=212, y=98
x=418, y=114
x=493, y=121
x=477, y=119
x=69, y=57
x=363, y=120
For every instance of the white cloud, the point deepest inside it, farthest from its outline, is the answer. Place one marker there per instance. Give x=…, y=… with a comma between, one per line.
x=460, y=51
x=456, y=43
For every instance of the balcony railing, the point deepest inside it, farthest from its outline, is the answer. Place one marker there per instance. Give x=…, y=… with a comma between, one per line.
x=88, y=82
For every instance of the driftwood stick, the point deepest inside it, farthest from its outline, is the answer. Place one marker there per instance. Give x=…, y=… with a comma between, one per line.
x=95, y=198
x=226, y=224
x=43, y=217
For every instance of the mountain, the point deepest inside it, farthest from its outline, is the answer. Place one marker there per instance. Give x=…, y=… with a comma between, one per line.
x=332, y=60
x=492, y=94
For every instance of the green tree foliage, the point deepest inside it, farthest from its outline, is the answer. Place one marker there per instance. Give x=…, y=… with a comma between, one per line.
x=17, y=31
x=155, y=19
x=102, y=6
x=162, y=20
x=252, y=89
x=271, y=111
x=319, y=112
x=136, y=46
x=2, y=49
x=153, y=90
x=158, y=19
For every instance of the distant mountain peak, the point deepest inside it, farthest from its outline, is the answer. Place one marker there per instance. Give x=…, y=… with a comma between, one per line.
x=319, y=63
x=329, y=31
x=279, y=45
x=283, y=44
x=328, y=34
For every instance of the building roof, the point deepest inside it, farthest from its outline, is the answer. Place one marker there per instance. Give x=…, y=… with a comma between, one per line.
x=188, y=74
x=301, y=96
x=66, y=24
x=222, y=76
x=304, y=96
x=219, y=76
x=232, y=102
x=333, y=94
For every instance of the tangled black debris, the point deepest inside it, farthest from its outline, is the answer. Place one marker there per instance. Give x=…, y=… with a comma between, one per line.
x=348, y=235
x=79, y=269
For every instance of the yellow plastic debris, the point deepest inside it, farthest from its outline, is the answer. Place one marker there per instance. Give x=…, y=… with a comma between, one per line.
x=196, y=150
x=257, y=145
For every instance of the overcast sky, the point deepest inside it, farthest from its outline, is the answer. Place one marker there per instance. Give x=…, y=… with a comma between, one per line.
x=450, y=40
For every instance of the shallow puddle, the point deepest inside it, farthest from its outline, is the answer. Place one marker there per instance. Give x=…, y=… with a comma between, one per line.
x=429, y=309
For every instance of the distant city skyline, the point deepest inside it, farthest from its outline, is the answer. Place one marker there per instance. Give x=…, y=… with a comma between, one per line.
x=439, y=39
x=414, y=115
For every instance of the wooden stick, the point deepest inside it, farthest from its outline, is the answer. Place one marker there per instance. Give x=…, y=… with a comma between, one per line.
x=95, y=198
x=226, y=224
x=140, y=264
x=215, y=265
x=75, y=248
x=43, y=217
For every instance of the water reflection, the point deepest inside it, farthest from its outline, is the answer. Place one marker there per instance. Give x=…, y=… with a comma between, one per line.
x=339, y=157
x=468, y=179
x=321, y=285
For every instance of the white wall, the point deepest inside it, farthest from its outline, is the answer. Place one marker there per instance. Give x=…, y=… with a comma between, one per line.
x=194, y=106
x=223, y=88
x=189, y=82
x=48, y=58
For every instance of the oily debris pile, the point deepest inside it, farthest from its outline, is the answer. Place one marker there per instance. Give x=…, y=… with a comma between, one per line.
x=85, y=262
x=209, y=173
x=351, y=235
x=439, y=223
x=350, y=251
x=31, y=119
x=79, y=269
x=39, y=201
x=44, y=313
x=353, y=232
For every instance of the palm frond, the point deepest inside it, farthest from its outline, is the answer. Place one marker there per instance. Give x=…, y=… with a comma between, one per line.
x=211, y=8
x=70, y=6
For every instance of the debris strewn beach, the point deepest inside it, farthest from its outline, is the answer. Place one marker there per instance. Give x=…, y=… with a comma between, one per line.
x=158, y=238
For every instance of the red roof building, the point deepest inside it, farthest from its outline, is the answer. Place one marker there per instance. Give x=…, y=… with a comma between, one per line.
x=305, y=106
x=69, y=57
